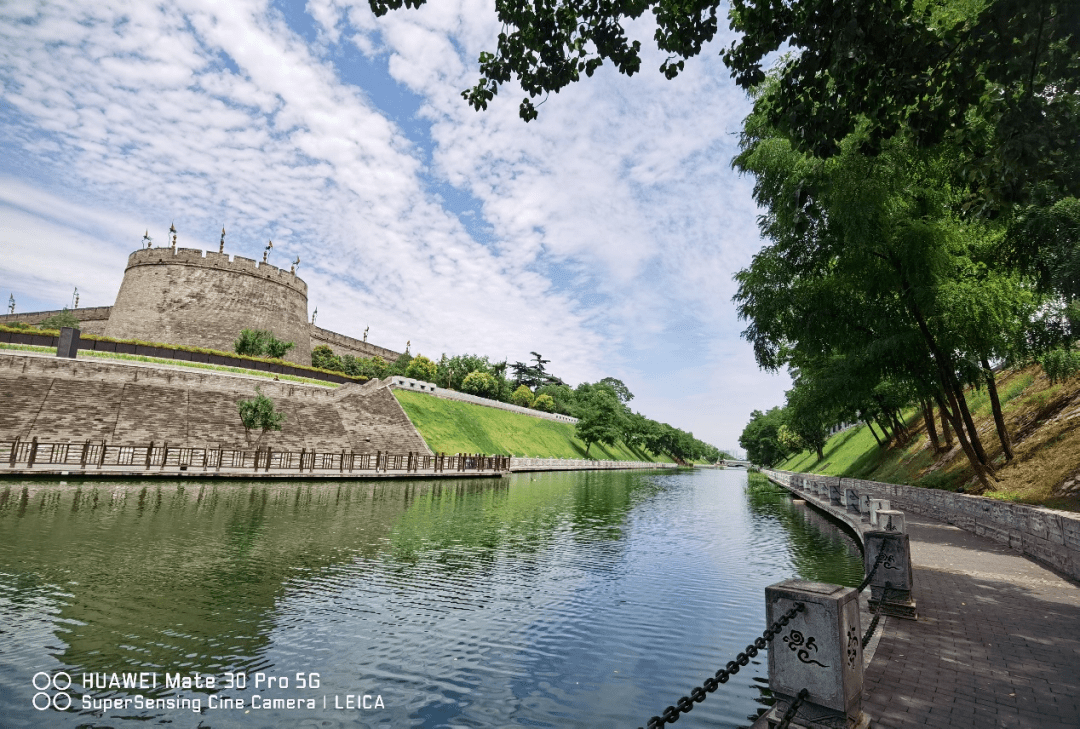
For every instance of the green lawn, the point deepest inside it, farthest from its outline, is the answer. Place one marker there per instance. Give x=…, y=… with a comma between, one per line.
x=451, y=426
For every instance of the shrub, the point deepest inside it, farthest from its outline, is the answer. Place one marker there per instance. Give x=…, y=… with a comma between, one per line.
x=421, y=368
x=480, y=384
x=276, y=348
x=259, y=413
x=251, y=342
x=1060, y=364
x=544, y=403
x=324, y=358
x=64, y=319
x=522, y=397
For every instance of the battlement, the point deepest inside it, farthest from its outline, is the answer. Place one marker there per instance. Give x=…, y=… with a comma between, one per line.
x=217, y=261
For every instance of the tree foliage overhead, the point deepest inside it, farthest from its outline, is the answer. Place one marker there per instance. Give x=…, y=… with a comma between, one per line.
x=929, y=66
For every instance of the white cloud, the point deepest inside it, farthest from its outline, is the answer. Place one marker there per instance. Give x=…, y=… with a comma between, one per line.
x=208, y=113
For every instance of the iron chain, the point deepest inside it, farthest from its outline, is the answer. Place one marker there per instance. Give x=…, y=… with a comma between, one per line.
x=686, y=703
x=877, y=615
x=790, y=713
x=870, y=574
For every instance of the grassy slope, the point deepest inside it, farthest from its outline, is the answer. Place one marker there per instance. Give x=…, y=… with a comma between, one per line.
x=1043, y=421
x=452, y=426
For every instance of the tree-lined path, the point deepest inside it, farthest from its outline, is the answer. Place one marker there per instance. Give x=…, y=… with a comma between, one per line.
x=996, y=643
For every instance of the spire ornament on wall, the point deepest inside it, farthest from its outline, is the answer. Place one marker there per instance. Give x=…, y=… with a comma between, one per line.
x=295, y=265
x=266, y=251
x=221, y=248
x=147, y=241
x=172, y=229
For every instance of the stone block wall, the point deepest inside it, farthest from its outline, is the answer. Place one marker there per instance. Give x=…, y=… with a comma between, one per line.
x=92, y=320
x=1046, y=535
x=343, y=345
x=70, y=401
x=186, y=297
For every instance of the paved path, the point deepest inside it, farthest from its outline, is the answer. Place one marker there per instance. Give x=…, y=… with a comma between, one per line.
x=997, y=642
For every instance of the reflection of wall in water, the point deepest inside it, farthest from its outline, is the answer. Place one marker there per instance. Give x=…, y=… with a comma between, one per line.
x=149, y=576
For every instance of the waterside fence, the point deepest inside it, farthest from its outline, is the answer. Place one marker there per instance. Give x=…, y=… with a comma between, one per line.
x=92, y=458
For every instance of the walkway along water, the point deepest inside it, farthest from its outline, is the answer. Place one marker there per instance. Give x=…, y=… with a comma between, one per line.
x=996, y=641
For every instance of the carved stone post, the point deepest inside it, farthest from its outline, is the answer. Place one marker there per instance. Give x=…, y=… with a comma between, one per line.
x=834, y=493
x=894, y=578
x=851, y=499
x=820, y=650
x=877, y=505
x=864, y=503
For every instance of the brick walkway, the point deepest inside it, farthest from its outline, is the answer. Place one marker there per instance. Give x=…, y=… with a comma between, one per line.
x=997, y=642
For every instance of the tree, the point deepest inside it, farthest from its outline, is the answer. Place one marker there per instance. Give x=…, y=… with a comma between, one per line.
x=621, y=390
x=421, y=368
x=481, y=384
x=761, y=438
x=262, y=343
x=534, y=375
x=324, y=358
x=522, y=397
x=601, y=417
x=259, y=412
x=544, y=403
x=64, y=319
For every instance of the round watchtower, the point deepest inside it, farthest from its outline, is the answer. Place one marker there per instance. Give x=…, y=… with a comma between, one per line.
x=184, y=296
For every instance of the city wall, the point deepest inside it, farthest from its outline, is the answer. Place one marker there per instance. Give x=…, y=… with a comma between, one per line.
x=63, y=400
x=92, y=320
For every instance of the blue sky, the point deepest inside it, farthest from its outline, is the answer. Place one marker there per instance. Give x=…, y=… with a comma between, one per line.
x=603, y=235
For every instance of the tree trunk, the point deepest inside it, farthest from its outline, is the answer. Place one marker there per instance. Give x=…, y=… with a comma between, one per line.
x=995, y=405
x=973, y=434
x=874, y=433
x=931, y=428
x=820, y=454
x=946, y=431
x=884, y=430
x=980, y=470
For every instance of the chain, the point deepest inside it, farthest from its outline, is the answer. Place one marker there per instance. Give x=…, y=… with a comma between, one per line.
x=686, y=703
x=877, y=563
x=790, y=713
x=877, y=615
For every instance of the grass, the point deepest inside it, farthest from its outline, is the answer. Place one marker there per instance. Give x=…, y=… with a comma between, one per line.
x=452, y=426
x=1043, y=421
x=172, y=362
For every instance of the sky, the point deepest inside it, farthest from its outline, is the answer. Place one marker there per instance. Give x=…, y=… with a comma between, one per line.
x=603, y=235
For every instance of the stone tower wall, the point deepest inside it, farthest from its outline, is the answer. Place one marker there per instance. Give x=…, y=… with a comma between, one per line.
x=204, y=300
x=92, y=320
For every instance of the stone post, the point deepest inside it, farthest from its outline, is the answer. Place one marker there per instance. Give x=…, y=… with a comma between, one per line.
x=894, y=578
x=877, y=505
x=834, y=493
x=864, y=503
x=820, y=650
x=851, y=497
x=891, y=520
x=69, y=343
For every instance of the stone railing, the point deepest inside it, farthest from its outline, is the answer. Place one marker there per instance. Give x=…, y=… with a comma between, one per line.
x=407, y=383
x=104, y=458
x=1046, y=535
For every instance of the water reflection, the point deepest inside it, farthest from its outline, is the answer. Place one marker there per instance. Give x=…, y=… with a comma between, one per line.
x=566, y=599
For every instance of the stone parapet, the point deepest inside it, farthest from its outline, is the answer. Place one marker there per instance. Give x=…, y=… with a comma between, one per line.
x=407, y=383
x=342, y=345
x=1047, y=536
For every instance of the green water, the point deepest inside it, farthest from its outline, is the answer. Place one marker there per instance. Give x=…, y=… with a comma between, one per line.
x=590, y=599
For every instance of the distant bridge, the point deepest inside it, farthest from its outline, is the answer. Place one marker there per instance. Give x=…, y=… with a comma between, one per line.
x=733, y=464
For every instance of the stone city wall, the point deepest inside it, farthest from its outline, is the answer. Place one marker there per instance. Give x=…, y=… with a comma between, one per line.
x=407, y=383
x=63, y=400
x=92, y=319
x=204, y=300
x=1046, y=535
x=343, y=345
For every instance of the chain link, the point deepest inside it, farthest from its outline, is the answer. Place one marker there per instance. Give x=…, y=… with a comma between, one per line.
x=877, y=563
x=877, y=615
x=686, y=703
x=790, y=713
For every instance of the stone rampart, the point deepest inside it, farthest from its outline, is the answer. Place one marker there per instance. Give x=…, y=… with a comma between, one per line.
x=407, y=383
x=1046, y=535
x=204, y=300
x=62, y=400
x=92, y=320
x=343, y=345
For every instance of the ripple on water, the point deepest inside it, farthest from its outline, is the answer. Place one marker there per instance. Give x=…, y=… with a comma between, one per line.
x=562, y=600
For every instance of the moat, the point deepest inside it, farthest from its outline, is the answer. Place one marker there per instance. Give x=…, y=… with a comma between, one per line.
x=583, y=599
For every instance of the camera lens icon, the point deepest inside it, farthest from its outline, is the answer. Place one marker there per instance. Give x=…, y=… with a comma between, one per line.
x=59, y=682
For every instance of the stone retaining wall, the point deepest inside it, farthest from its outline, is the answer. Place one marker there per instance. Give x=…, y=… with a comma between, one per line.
x=1047, y=536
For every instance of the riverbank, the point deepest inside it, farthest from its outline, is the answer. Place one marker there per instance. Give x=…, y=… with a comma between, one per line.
x=995, y=643
x=1043, y=420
